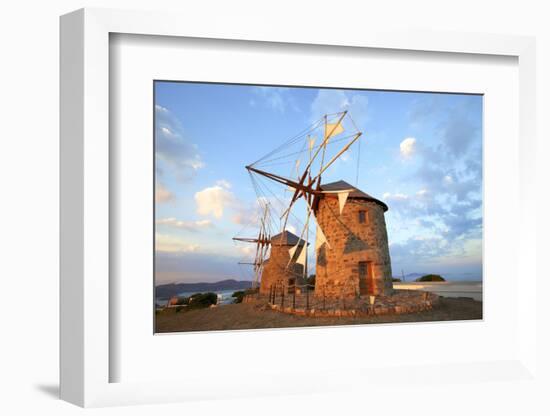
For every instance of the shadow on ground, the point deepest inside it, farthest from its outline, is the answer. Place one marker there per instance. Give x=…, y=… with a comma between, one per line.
x=51, y=390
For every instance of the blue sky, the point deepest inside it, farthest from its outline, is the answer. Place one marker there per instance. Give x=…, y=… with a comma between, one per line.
x=421, y=153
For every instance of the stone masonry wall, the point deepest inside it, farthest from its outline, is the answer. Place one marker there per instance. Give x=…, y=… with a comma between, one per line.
x=276, y=271
x=351, y=242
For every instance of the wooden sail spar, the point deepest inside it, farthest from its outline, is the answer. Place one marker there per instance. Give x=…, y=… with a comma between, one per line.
x=262, y=241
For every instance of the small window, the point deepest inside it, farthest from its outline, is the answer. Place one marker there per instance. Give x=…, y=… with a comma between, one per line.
x=362, y=217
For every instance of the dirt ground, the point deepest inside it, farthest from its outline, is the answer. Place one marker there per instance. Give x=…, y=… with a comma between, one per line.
x=256, y=316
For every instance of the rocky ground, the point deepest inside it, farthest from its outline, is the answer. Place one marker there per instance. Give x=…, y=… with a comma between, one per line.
x=256, y=316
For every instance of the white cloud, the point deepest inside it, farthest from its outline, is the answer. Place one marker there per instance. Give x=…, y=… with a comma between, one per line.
x=394, y=197
x=251, y=213
x=247, y=250
x=246, y=215
x=291, y=228
x=333, y=101
x=407, y=147
x=345, y=157
x=277, y=98
x=160, y=109
x=171, y=244
x=217, y=200
x=224, y=183
x=186, y=225
x=406, y=206
x=174, y=152
x=214, y=200
x=162, y=194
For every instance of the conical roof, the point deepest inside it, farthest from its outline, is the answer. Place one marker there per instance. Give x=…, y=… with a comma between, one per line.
x=355, y=193
x=286, y=238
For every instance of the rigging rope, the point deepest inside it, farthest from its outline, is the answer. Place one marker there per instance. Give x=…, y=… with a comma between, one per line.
x=297, y=137
x=292, y=139
x=333, y=141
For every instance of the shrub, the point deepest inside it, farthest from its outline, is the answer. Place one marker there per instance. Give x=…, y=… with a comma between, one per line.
x=203, y=300
x=395, y=279
x=238, y=295
x=179, y=309
x=430, y=278
x=182, y=301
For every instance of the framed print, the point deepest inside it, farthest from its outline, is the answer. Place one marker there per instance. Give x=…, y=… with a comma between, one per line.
x=361, y=175
x=276, y=224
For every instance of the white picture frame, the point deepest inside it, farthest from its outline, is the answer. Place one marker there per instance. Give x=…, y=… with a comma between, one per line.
x=85, y=208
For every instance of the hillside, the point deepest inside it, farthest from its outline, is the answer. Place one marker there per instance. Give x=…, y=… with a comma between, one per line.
x=168, y=290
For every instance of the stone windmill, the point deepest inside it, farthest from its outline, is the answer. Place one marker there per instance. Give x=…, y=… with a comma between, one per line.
x=355, y=258
x=280, y=270
x=271, y=263
x=351, y=248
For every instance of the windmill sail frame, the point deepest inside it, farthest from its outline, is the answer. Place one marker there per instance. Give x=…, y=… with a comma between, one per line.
x=308, y=184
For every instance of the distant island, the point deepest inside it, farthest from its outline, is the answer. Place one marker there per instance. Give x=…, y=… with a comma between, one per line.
x=408, y=277
x=430, y=278
x=166, y=291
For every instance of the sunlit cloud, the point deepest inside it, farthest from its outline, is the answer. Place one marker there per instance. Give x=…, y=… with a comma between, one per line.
x=186, y=225
x=162, y=194
x=172, y=244
x=407, y=147
x=214, y=201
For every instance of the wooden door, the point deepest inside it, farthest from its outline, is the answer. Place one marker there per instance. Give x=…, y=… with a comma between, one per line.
x=366, y=283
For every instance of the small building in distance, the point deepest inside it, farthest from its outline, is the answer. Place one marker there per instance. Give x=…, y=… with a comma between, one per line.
x=355, y=259
x=173, y=301
x=277, y=270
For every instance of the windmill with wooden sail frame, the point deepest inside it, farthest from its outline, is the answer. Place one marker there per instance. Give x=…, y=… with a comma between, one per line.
x=347, y=248
x=262, y=243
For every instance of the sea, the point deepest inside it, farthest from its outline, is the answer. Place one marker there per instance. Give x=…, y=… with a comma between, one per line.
x=224, y=297
x=453, y=289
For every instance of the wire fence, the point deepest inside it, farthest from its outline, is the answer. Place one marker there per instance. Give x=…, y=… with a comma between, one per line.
x=346, y=301
x=305, y=297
